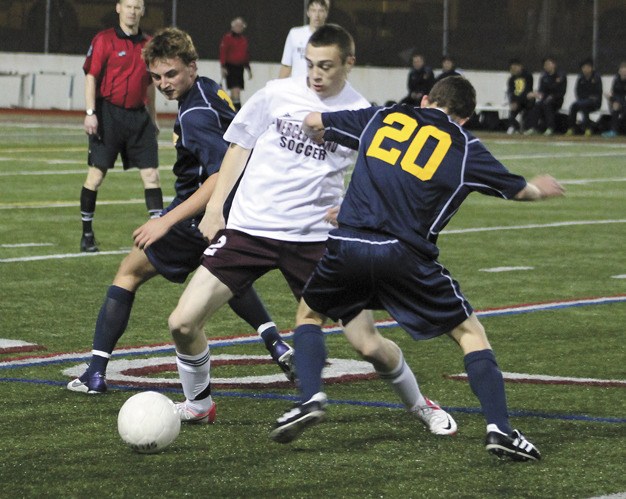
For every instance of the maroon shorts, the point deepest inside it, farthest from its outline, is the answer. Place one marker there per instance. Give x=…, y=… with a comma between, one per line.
x=238, y=259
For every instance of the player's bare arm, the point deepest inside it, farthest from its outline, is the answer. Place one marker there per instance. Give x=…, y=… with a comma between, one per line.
x=232, y=167
x=540, y=187
x=156, y=228
x=91, y=120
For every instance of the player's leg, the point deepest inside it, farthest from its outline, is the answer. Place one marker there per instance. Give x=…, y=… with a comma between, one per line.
x=204, y=294
x=388, y=360
x=487, y=383
x=572, y=117
x=152, y=191
x=310, y=358
x=112, y=319
x=88, y=196
x=250, y=308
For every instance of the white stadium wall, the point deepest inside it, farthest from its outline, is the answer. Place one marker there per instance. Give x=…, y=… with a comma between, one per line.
x=56, y=82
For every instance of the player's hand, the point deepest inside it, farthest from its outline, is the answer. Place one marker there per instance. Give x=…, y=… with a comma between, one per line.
x=211, y=224
x=150, y=232
x=548, y=186
x=331, y=216
x=91, y=125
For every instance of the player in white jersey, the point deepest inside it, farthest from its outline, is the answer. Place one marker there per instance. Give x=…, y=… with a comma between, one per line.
x=277, y=219
x=293, y=62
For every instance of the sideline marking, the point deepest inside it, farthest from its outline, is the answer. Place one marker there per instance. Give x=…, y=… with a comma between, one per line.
x=254, y=338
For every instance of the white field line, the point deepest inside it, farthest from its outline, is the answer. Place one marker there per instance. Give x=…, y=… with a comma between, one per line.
x=166, y=199
x=606, y=154
x=457, y=231
x=25, y=245
x=81, y=171
x=532, y=226
x=61, y=256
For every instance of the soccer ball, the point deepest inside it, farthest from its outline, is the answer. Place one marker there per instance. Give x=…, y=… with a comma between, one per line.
x=148, y=422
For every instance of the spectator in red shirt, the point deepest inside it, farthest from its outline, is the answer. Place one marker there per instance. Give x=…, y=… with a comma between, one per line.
x=120, y=113
x=234, y=58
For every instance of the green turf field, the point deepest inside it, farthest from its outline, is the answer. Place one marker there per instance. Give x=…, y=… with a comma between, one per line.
x=567, y=252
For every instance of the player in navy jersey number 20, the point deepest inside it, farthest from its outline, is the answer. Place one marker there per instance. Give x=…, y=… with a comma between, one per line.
x=415, y=167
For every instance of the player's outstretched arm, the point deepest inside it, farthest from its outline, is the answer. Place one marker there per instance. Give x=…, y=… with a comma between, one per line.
x=231, y=169
x=155, y=229
x=540, y=187
x=313, y=127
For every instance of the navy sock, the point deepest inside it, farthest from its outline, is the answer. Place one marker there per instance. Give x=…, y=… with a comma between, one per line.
x=487, y=383
x=110, y=325
x=310, y=358
x=270, y=335
x=250, y=308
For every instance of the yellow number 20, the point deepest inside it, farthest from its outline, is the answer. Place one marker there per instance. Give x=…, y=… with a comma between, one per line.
x=408, y=162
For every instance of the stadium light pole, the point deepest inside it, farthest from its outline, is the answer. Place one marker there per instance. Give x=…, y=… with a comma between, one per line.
x=174, y=12
x=446, y=27
x=46, y=34
x=594, y=41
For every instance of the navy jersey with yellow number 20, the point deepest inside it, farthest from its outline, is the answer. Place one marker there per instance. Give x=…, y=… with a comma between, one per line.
x=414, y=169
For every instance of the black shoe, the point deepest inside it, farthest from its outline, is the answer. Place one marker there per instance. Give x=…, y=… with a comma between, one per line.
x=295, y=421
x=88, y=243
x=514, y=446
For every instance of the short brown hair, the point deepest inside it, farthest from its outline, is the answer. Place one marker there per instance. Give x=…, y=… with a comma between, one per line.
x=456, y=94
x=333, y=34
x=170, y=43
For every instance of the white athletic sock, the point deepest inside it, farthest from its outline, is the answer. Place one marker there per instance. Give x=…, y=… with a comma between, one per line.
x=403, y=382
x=195, y=376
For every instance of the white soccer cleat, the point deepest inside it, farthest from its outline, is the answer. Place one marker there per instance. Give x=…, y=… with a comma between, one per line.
x=435, y=418
x=189, y=414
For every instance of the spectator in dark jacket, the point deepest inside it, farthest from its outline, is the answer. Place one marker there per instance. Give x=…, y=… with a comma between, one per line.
x=548, y=98
x=448, y=68
x=588, y=97
x=421, y=80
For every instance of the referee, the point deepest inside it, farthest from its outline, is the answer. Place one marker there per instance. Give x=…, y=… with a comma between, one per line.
x=120, y=115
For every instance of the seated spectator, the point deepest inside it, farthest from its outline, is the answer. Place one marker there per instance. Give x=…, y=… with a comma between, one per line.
x=448, y=68
x=617, y=101
x=519, y=88
x=588, y=97
x=421, y=80
x=548, y=98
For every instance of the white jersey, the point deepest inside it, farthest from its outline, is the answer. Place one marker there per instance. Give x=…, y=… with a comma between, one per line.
x=294, y=51
x=289, y=182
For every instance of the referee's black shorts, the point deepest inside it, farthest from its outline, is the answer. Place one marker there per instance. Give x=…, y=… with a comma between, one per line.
x=126, y=132
x=234, y=76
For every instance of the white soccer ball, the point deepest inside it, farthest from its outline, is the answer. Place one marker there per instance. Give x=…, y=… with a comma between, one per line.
x=148, y=422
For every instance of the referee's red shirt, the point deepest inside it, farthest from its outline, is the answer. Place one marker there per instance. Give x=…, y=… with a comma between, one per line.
x=114, y=58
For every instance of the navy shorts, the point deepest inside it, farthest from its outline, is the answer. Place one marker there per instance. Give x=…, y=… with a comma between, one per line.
x=369, y=271
x=238, y=259
x=126, y=132
x=179, y=252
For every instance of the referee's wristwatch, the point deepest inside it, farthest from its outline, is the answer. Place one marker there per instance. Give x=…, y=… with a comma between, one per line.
x=90, y=112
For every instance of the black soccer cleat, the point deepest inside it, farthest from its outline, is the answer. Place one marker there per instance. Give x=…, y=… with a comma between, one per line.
x=88, y=243
x=294, y=422
x=514, y=446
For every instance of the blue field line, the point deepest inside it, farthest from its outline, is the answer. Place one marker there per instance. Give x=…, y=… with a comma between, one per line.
x=362, y=403
x=383, y=324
